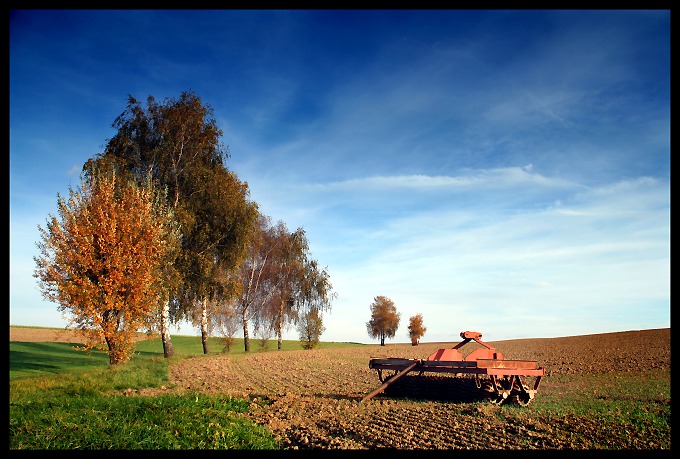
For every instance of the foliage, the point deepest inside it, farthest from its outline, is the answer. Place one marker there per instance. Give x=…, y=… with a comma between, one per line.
x=416, y=330
x=297, y=284
x=278, y=279
x=103, y=259
x=177, y=143
x=287, y=263
x=225, y=322
x=264, y=335
x=384, y=319
x=310, y=328
x=252, y=276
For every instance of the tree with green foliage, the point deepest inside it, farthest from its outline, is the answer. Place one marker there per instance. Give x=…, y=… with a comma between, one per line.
x=105, y=260
x=384, y=319
x=177, y=143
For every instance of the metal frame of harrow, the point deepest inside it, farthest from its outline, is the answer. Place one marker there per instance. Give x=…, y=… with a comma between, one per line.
x=503, y=377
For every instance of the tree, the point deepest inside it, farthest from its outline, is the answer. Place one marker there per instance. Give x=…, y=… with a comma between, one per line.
x=416, y=330
x=286, y=268
x=252, y=276
x=384, y=319
x=316, y=292
x=104, y=259
x=278, y=280
x=295, y=278
x=177, y=143
x=225, y=321
x=310, y=326
x=216, y=246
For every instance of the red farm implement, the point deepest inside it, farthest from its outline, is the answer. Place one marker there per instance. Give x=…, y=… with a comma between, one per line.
x=495, y=376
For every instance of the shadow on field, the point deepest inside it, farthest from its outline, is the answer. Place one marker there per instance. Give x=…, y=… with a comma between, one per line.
x=434, y=388
x=51, y=357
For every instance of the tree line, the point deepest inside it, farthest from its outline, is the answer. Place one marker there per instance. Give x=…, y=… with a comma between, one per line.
x=161, y=231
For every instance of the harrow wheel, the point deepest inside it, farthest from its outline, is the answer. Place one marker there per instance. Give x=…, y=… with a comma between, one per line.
x=521, y=397
x=499, y=389
x=499, y=399
x=485, y=385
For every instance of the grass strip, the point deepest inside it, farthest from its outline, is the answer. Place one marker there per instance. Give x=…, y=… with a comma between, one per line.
x=119, y=422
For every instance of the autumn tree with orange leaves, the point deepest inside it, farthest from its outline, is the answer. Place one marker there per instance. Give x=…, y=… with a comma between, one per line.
x=384, y=319
x=105, y=260
x=416, y=330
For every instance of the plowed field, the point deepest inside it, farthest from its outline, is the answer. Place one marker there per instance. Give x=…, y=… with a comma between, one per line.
x=312, y=399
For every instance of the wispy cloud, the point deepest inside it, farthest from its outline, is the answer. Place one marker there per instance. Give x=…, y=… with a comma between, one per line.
x=588, y=251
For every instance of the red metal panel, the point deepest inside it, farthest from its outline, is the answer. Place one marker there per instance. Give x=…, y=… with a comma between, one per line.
x=449, y=355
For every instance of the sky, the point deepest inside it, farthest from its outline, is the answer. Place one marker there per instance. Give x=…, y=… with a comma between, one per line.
x=500, y=171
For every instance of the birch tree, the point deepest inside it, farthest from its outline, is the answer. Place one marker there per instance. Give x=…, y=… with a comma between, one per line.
x=253, y=276
x=288, y=259
x=296, y=282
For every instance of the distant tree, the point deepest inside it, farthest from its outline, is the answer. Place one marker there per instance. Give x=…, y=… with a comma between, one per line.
x=284, y=277
x=297, y=283
x=310, y=326
x=416, y=330
x=105, y=260
x=264, y=334
x=252, y=277
x=384, y=319
x=225, y=322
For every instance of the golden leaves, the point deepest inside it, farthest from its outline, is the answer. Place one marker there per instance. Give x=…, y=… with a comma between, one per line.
x=101, y=261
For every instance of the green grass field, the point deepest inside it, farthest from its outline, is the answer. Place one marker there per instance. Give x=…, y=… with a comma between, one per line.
x=60, y=398
x=28, y=360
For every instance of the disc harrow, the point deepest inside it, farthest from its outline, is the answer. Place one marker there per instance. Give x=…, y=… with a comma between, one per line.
x=500, y=379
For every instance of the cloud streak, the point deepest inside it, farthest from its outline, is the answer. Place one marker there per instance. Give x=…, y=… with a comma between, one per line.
x=590, y=251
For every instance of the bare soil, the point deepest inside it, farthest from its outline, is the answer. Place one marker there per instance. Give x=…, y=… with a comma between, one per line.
x=312, y=399
x=43, y=335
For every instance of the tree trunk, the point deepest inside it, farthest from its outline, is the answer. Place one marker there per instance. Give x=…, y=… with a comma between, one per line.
x=246, y=337
x=382, y=340
x=168, y=350
x=112, y=348
x=279, y=327
x=204, y=325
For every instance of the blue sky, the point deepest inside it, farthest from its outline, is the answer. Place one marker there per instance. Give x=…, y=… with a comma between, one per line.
x=506, y=172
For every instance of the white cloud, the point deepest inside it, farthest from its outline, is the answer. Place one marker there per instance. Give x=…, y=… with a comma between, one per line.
x=596, y=251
